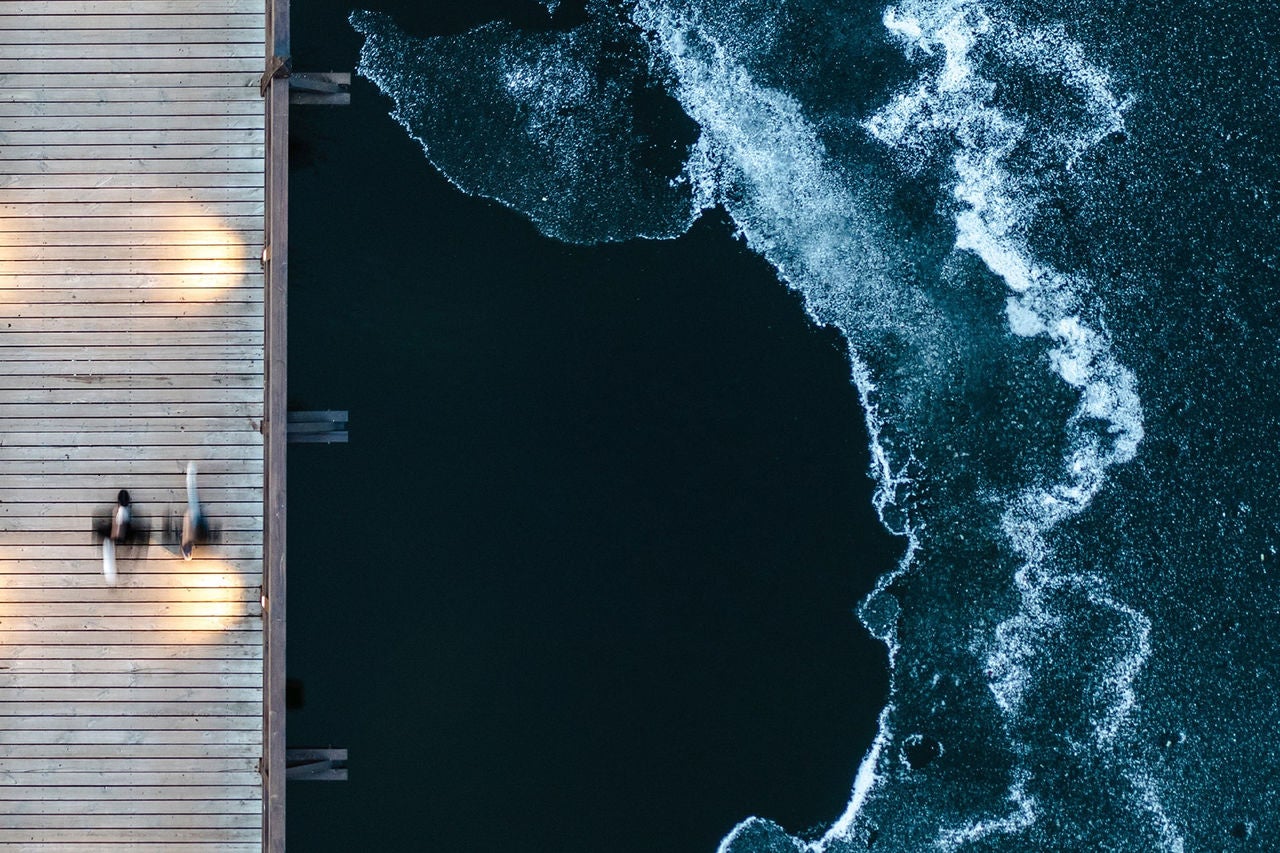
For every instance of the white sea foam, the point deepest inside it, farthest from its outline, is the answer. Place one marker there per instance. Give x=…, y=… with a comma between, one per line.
x=790, y=208
x=1022, y=814
x=997, y=210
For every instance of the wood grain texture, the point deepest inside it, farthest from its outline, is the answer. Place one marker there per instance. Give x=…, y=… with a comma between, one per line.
x=133, y=327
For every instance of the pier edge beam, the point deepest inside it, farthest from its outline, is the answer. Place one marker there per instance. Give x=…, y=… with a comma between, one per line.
x=275, y=426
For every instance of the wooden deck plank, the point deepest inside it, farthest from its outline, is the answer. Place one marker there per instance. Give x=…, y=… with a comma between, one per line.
x=128, y=292
x=170, y=838
x=109, y=807
x=130, y=20
x=192, y=163
x=133, y=195
x=244, y=469
x=213, y=226
x=107, y=453
x=75, y=143
x=129, y=179
x=130, y=680
x=54, y=69
x=191, y=268
x=208, y=820
x=114, y=598
x=96, y=35
x=164, y=653
x=205, y=635
x=89, y=699
x=227, y=310
x=149, y=738
x=201, y=97
x=73, y=9
x=226, y=82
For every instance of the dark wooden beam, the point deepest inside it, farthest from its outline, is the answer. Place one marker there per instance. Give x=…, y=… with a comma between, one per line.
x=276, y=428
x=317, y=765
x=324, y=427
x=320, y=88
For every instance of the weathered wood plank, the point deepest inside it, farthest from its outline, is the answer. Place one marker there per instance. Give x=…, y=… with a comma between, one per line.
x=73, y=415
x=129, y=179
x=239, y=63
x=70, y=11
x=229, y=308
x=129, y=392
x=207, y=569
x=146, y=33
x=183, y=161
x=221, y=227
x=113, y=598
x=196, y=288
x=78, y=145
x=91, y=154
x=100, y=821
x=125, y=807
x=162, y=653
x=127, y=299
x=107, y=109
x=204, y=95
x=210, y=635
x=150, y=738
x=247, y=469
x=186, y=196
x=129, y=329
x=106, y=792
x=129, y=20
x=126, y=762
x=107, y=354
x=156, y=660
x=68, y=821
x=229, y=82
x=96, y=682
x=42, y=557
x=25, y=457
x=88, y=698
x=158, y=577
x=238, y=430
x=176, y=838
x=86, y=50
x=99, y=710
x=47, y=124
x=171, y=436
x=130, y=724
x=92, y=208
x=86, y=509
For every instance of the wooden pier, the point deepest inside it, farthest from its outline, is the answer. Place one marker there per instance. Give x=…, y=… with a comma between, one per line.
x=143, y=185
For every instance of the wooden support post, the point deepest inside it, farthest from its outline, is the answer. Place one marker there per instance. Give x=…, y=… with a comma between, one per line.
x=317, y=765
x=321, y=88
x=325, y=427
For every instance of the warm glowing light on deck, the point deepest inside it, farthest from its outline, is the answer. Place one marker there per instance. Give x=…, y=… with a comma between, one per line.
x=193, y=599
x=216, y=257
x=204, y=611
x=182, y=246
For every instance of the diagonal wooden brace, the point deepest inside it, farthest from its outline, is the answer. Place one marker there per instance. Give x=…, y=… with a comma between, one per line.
x=278, y=68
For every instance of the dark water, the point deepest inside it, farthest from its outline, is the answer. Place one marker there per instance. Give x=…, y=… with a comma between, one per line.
x=585, y=576
x=1047, y=232
x=632, y=521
